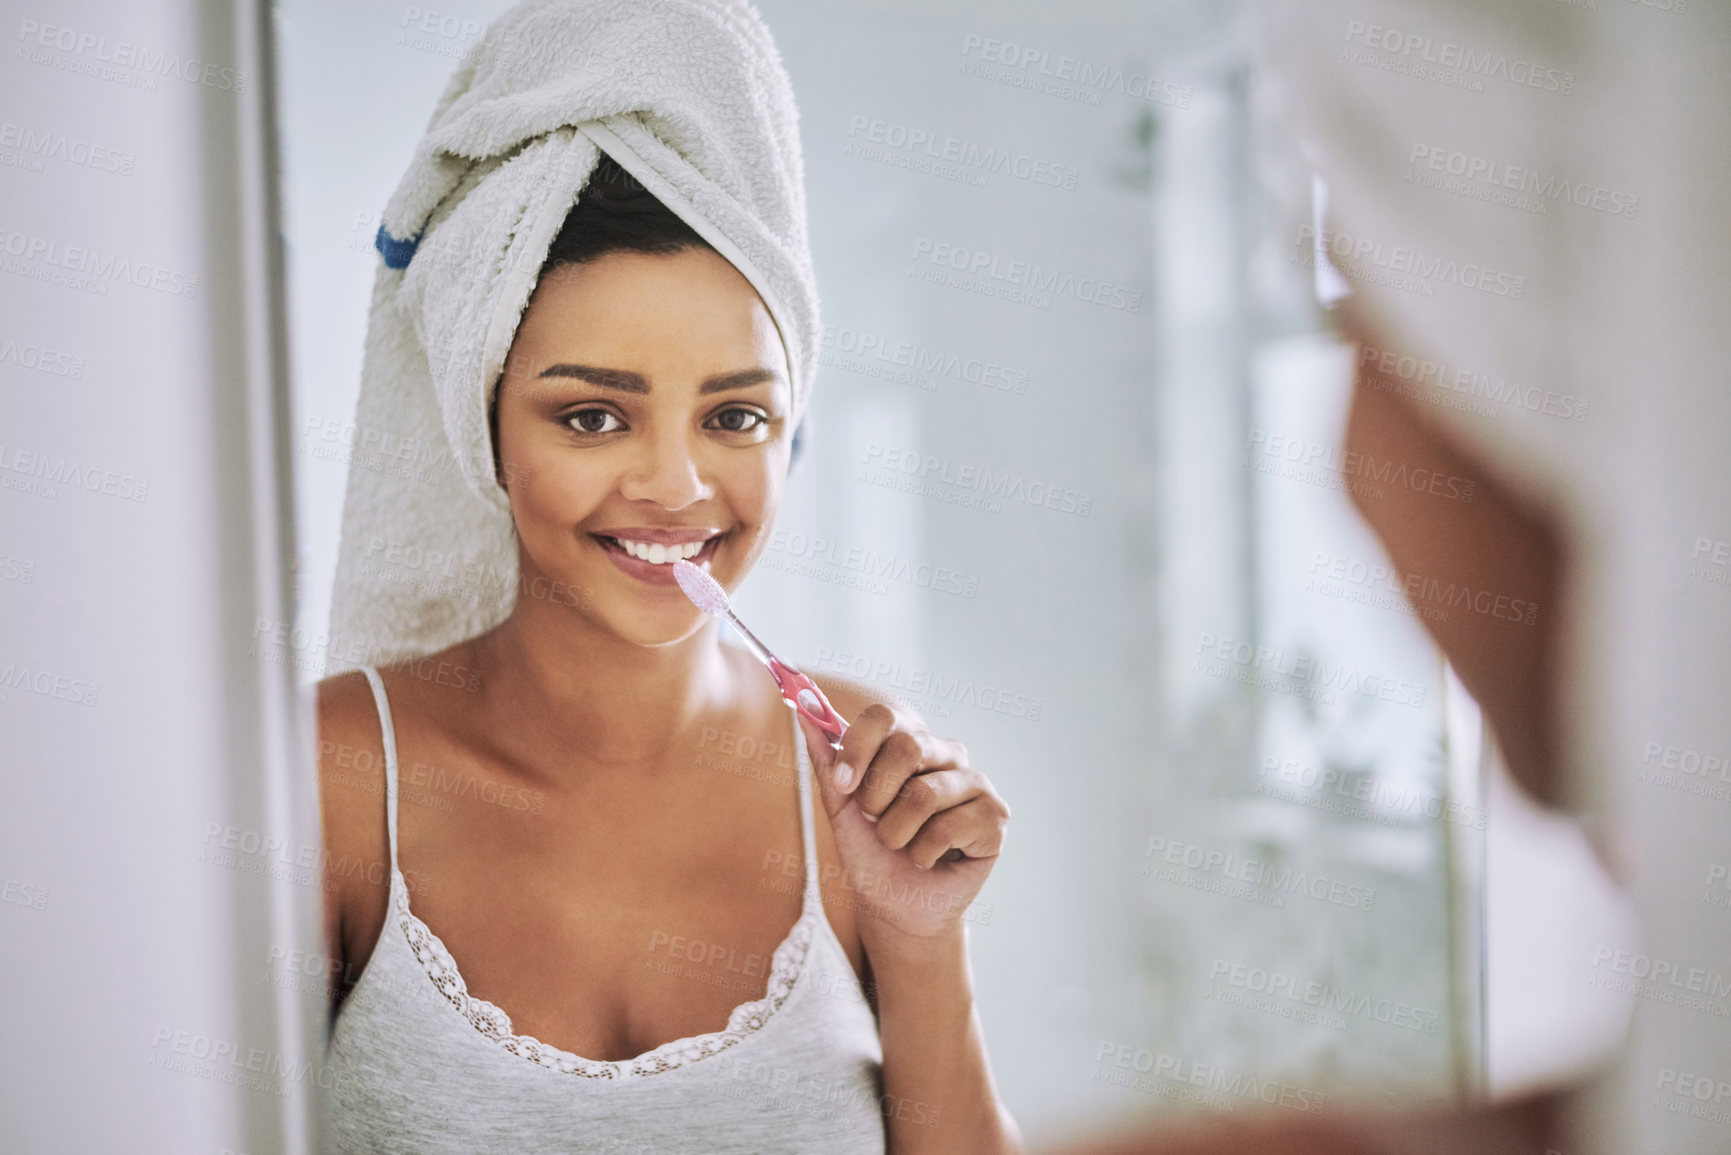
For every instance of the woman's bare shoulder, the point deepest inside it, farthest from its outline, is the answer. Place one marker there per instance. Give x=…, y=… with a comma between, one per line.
x=348, y=722
x=341, y=697
x=351, y=753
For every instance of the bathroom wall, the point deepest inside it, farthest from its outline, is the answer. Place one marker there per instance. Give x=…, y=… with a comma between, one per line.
x=151, y=831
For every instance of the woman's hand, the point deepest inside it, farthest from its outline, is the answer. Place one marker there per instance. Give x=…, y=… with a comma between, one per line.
x=911, y=801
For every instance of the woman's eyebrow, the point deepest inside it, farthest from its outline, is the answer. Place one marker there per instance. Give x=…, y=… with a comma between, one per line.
x=629, y=382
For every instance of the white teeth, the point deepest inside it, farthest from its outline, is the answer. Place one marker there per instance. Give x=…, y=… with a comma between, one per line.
x=658, y=554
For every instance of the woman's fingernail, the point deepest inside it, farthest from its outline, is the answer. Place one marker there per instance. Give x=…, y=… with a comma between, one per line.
x=843, y=776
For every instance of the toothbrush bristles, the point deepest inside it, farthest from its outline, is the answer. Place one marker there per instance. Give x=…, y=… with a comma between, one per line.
x=704, y=591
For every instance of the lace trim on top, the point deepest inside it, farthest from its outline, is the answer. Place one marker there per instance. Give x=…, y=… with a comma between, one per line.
x=495, y=1024
x=786, y=965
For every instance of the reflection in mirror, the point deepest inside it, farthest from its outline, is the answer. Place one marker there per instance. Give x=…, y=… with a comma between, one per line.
x=1071, y=492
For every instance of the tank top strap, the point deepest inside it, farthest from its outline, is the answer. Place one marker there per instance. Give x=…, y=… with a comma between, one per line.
x=390, y=736
x=808, y=831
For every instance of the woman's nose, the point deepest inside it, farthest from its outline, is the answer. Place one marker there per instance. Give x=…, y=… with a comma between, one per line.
x=666, y=472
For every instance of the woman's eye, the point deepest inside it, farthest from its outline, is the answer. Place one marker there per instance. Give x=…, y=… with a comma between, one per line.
x=734, y=426
x=590, y=420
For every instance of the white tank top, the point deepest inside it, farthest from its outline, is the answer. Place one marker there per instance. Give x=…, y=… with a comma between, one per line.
x=417, y=1064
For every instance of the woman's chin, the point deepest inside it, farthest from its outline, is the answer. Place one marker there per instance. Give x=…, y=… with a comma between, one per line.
x=649, y=626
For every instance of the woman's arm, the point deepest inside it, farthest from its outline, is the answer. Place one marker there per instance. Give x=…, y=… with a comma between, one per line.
x=352, y=820
x=938, y=1091
x=910, y=798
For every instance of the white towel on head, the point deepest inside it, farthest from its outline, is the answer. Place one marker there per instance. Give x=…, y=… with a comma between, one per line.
x=688, y=96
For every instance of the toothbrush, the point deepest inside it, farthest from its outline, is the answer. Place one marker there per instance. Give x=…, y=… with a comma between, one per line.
x=800, y=692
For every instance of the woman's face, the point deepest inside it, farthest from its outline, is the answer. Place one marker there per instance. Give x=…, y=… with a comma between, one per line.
x=646, y=397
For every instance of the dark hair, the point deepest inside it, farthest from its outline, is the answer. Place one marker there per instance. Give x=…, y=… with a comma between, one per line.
x=615, y=213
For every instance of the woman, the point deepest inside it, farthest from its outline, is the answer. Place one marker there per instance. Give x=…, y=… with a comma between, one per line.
x=612, y=946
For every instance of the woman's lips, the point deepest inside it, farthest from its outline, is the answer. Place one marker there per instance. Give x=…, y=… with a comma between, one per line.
x=648, y=571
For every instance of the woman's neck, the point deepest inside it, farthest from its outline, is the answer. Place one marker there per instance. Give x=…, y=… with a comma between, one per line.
x=560, y=691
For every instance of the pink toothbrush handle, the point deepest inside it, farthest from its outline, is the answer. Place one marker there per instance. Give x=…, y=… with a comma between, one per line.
x=793, y=687
x=804, y=696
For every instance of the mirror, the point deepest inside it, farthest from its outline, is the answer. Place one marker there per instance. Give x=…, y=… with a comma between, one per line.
x=1065, y=491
